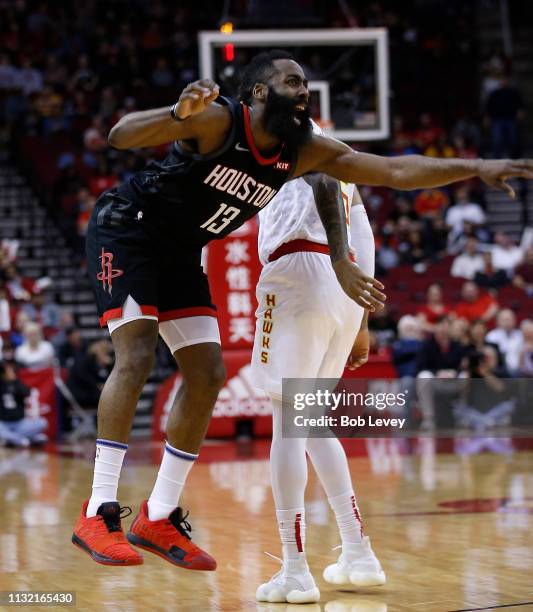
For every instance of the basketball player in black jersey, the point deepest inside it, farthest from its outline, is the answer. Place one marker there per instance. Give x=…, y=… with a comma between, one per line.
x=144, y=241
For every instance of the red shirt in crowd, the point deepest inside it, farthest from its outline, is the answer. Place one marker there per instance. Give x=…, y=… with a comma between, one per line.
x=432, y=316
x=472, y=311
x=430, y=202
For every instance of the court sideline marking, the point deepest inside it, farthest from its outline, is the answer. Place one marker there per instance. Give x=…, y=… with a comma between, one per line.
x=524, y=603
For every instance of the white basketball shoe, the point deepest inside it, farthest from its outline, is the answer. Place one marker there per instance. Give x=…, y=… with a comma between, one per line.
x=292, y=584
x=360, y=568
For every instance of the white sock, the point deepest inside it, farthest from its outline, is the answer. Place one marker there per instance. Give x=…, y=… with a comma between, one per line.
x=291, y=525
x=348, y=520
x=175, y=467
x=331, y=465
x=288, y=473
x=107, y=466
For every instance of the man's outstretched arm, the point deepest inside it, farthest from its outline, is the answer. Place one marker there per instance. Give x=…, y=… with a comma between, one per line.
x=362, y=288
x=195, y=116
x=405, y=172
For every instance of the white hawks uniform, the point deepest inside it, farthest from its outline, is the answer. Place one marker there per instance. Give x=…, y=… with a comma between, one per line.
x=306, y=324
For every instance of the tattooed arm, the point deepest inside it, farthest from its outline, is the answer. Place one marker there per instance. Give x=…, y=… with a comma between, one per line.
x=362, y=288
x=328, y=200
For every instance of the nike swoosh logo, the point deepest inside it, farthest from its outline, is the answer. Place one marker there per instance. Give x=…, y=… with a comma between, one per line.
x=239, y=148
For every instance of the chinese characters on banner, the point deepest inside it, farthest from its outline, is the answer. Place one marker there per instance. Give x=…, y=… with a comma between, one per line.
x=233, y=267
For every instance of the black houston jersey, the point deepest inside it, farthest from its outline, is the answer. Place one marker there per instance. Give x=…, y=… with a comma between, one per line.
x=197, y=198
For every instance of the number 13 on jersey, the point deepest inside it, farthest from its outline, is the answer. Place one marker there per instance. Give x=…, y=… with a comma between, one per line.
x=221, y=219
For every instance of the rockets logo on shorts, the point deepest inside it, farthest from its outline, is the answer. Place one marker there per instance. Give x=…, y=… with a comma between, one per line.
x=107, y=274
x=268, y=325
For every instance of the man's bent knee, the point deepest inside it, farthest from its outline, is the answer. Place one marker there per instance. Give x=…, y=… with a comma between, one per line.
x=135, y=345
x=216, y=377
x=206, y=382
x=137, y=364
x=202, y=369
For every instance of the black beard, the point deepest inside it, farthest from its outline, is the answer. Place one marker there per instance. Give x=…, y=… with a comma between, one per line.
x=278, y=119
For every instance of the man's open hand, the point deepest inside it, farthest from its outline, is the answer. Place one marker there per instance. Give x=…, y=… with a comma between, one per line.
x=357, y=285
x=196, y=97
x=495, y=172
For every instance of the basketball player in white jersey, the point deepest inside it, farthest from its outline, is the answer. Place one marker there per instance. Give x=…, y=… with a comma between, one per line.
x=306, y=326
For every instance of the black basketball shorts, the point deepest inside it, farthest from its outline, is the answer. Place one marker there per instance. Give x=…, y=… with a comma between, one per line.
x=127, y=256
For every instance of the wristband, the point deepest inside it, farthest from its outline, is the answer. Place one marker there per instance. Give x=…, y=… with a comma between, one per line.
x=173, y=113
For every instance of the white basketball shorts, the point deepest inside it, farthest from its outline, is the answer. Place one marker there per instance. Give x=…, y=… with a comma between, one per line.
x=306, y=324
x=177, y=333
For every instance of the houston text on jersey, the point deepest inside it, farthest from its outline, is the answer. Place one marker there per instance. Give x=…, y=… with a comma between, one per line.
x=241, y=185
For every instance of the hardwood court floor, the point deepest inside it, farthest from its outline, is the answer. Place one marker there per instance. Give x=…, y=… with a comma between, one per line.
x=440, y=553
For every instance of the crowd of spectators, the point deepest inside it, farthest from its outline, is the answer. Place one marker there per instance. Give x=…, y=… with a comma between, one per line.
x=36, y=333
x=68, y=73
x=425, y=228
x=467, y=332
x=436, y=320
x=455, y=351
x=465, y=328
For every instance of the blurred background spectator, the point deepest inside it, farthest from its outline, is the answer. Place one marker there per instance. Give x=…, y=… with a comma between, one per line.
x=477, y=334
x=16, y=336
x=34, y=352
x=504, y=111
x=434, y=308
x=44, y=310
x=460, y=331
x=439, y=354
x=405, y=350
x=508, y=338
x=475, y=304
x=89, y=371
x=525, y=359
x=16, y=429
x=523, y=276
x=383, y=325
x=19, y=288
x=489, y=277
x=505, y=254
x=485, y=402
x=6, y=313
x=469, y=262
x=439, y=357
x=463, y=210
x=405, y=356
x=70, y=347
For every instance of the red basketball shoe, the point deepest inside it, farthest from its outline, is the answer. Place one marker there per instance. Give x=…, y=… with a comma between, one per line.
x=169, y=538
x=102, y=538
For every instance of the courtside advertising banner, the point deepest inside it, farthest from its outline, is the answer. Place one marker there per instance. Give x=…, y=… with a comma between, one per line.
x=238, y=400
x=42, y=401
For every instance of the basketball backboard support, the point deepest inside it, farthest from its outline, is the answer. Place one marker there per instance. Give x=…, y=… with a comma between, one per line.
x=377, y=121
